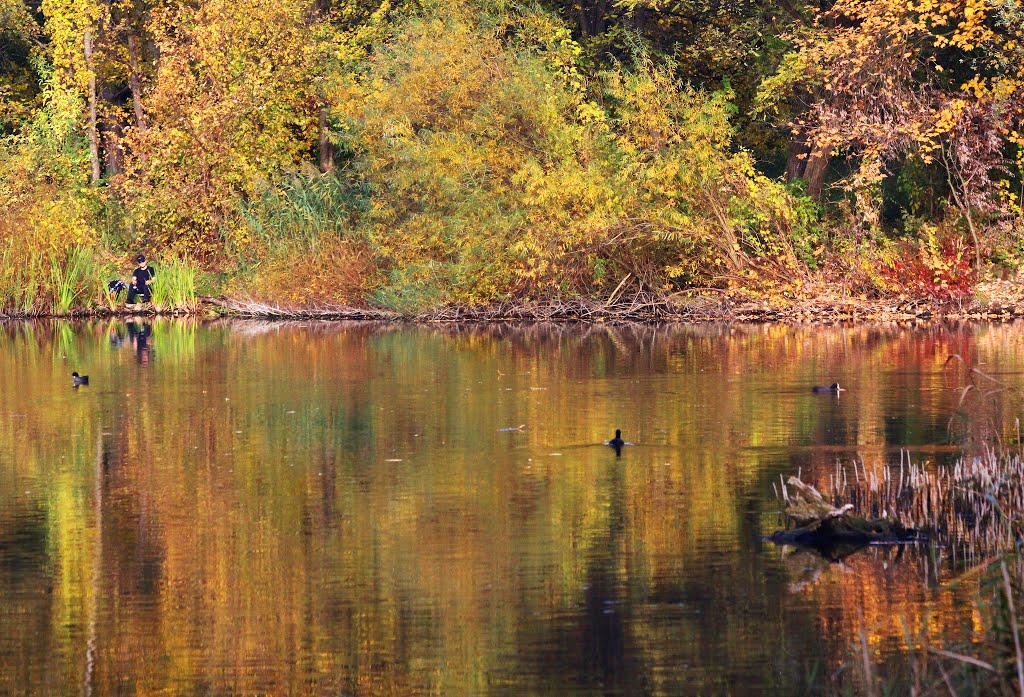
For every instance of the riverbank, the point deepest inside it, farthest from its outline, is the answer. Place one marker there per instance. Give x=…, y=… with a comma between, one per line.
x=994, y=300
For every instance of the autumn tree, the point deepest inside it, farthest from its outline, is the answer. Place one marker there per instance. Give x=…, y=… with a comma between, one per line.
x=19, y=85
x=936, y=83
x=233, y=102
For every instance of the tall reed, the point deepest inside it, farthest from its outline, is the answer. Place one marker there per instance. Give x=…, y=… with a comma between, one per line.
x=30, y=281
x=9, y=288
x=299, y=210
x=174, y=286
x=70, y=280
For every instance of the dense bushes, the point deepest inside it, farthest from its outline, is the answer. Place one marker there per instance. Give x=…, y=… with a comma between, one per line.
x=473, y=152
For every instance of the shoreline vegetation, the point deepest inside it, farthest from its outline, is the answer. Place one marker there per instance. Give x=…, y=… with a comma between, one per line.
x=1001, y=303
x=478, y=158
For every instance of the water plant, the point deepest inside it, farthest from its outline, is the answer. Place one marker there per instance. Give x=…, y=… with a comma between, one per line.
x=70, y=278
x=973, y=511
x=175, y=286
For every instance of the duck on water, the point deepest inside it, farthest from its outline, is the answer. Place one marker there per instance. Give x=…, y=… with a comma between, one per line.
x=617, y=442
x=78, y=380
x=833, y=388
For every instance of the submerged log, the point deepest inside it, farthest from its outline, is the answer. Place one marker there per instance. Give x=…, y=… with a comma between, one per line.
x=806, y=507
x=823, y=526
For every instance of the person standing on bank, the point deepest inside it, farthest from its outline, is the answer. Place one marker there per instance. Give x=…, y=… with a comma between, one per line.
x=142, y=279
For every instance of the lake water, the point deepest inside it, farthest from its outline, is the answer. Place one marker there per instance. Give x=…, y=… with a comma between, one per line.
x=338, y=509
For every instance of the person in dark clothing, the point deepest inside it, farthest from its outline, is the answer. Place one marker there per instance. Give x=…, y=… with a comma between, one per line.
x=142, y=279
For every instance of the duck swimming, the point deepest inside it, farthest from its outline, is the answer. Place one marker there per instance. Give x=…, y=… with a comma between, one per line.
x=77, y=380
x=834, y=387
x=617, y=442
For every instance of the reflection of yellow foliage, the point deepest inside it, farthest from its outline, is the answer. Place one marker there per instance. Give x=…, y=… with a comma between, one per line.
x=210, y=518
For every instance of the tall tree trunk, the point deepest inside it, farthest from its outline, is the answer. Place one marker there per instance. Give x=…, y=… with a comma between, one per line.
x=807, y=161
x=326, y=146
x=796, y=160
x=111, y=129
x=814, y=172
x=135, y=80
x=592, y=17
x=113, y=152
x=94, y=139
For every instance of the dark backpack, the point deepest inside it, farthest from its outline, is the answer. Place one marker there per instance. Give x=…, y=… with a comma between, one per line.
x=117, y=286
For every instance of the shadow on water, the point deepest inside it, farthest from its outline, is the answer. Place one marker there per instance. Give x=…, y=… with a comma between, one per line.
x=607, y=660
x=23, y=536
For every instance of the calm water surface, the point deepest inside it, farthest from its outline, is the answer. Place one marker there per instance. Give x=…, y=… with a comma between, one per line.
x=335, y=509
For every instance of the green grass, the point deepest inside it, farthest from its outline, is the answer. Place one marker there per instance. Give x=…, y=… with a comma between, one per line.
x=174, y=286
x=71, y=280
x=37, y=284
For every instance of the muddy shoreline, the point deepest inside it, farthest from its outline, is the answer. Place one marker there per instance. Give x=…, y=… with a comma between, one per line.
x=994, y=302
x=711, y=311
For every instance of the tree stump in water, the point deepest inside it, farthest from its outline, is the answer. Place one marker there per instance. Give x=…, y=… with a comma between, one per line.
x=821, y=525
x=808, y=509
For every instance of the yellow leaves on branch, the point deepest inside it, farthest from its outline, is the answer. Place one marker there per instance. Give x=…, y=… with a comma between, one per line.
x=912, y=79
x=233, y=101
x=962, y=24
x=66, y=23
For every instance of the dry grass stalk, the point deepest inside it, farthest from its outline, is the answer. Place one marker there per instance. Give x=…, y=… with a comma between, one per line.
x=1013, y=625
x=976, y=506
x=866, y=656
x=962, y=658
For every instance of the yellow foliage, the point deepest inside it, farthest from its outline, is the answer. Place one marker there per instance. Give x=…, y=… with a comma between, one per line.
x=336, y=272
x=231, y=106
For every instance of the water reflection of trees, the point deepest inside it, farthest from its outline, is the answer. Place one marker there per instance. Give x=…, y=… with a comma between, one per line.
x=320, y=507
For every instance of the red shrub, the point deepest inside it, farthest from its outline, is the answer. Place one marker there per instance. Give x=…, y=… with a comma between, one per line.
x=932, y=269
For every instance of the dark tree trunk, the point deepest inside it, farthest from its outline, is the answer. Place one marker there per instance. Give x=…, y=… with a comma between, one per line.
x=814, y=172
x=797, y=157
x=113, y=152
x=592, y=17
x=807, y=161
x=94, y=139
x=326, y=146
x=135, y=80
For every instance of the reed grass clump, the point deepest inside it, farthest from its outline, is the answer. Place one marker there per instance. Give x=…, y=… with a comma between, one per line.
x=38, y=283
x=975, y=506
x=973, y=510
x=71, y=280
x=175, y=286
x=20, y=285
x=304, y=209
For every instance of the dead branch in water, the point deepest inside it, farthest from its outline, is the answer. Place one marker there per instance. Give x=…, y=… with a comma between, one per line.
x=831, y=530
x=259, y=310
